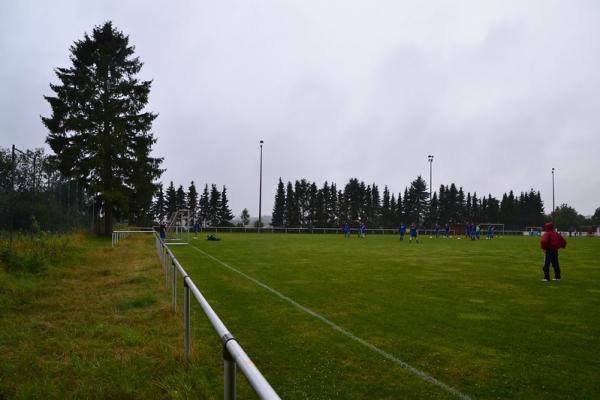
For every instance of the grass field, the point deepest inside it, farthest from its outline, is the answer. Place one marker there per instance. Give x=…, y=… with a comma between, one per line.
x=474, y=316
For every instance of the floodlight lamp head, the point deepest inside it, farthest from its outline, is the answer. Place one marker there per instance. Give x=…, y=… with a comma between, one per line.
x=262, y=141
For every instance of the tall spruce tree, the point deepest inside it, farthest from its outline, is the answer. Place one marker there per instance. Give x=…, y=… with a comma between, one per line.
x=418, y=201
x=99, y=130
x=292, y=212
x=158, y=208
x=278, y=216
x=432, y=214
x=171, y=200
x=203, y=206
x=385, y=209
x=181, y=203
x=225, y=214
x=214, y=206
x=192, y=201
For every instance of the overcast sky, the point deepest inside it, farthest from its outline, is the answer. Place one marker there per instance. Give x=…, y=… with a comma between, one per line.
x=499, y=92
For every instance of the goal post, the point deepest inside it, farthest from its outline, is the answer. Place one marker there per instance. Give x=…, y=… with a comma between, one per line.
x=178, y=227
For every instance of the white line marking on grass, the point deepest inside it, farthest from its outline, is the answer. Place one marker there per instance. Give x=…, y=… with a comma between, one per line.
x=346, y=333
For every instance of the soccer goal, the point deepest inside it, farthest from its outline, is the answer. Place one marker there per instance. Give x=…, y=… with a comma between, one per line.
x=178, y=228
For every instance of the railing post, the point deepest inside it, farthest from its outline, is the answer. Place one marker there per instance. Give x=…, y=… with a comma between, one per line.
x=187, y=332
x=229, y=389
x=174, y=286
x=167, y=272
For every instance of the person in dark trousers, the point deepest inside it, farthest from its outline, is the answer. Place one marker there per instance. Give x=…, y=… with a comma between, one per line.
x=346, y=230
x=550, y=243
x=402, y=231
x=413, y=234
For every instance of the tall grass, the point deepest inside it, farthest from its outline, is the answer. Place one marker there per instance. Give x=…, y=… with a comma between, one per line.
x=36, y=253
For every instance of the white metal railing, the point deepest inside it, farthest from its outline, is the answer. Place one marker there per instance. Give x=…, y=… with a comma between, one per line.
x=233, y=354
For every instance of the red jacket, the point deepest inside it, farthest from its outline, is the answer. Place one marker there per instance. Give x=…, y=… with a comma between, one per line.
x=552, y=240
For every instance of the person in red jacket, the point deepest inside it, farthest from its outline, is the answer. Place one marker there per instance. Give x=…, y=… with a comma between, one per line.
x=550, y=243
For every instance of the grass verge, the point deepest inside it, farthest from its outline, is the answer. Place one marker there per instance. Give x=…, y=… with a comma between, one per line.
x=95, y=326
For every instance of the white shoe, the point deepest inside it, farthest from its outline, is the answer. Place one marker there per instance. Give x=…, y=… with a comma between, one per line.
x=556, y=279
x=545, y=280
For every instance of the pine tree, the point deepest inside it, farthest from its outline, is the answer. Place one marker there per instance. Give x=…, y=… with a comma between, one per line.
x=393, y=221
x=159, y=206
x=98, y=129
x=432, y=215
x=475, y=208
x=302, y=200
x=468, y=209
x=171, y=200
x=458, y=203
x=313, y=206
x=333, y=207
x=385, y=209
x=192, y=201
x=214, y=206
x=204, y=206
x=225, y=214
x=375, y=206
x=278, y=216
x=418, y=200
x=180, y=198
x=292, y=212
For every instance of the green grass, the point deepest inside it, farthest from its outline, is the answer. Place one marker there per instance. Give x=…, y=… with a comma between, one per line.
x=473, y=315
x=94, y=326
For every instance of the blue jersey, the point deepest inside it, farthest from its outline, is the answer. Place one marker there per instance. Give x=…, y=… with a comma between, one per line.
x=413, y=232
x=402, y=230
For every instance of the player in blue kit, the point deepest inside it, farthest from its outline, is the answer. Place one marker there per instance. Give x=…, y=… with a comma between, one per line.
x=402, y=231
x=346, y=230
x=490, y=232
x=447, y=232
x=413, y=233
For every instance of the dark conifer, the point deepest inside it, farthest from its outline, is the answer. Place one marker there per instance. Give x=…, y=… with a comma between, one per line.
x=278, y=216
x=171, y=200
x=192, y=202
x=99, y=130
x=225, y=214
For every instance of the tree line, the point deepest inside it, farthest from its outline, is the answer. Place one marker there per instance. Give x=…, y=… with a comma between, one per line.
x=211, y=207
x=34, y=194
x=303, y=204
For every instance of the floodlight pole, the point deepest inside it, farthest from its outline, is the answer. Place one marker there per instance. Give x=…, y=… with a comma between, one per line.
x=260, y=190
x=430, y=159
x=553, y=207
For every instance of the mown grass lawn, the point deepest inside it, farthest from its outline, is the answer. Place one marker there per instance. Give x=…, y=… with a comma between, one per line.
x=473, y=315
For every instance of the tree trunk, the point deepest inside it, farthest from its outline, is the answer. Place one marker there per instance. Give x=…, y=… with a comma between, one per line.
x=108, y=222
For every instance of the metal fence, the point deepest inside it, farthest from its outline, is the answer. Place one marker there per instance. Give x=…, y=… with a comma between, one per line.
x=233, y=354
